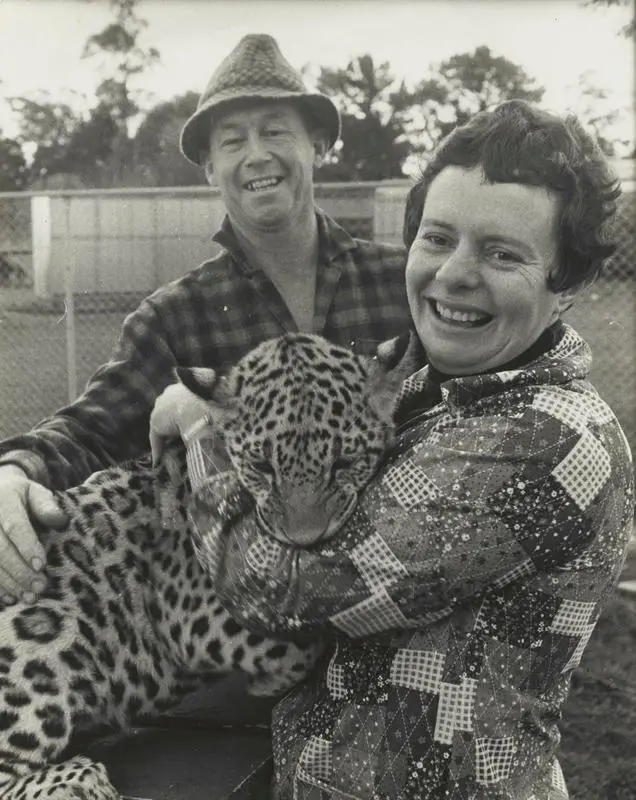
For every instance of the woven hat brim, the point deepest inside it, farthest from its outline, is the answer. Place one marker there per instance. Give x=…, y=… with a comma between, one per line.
x=195, y=135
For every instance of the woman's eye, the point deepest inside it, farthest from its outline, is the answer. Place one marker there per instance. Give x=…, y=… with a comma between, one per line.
x=505, y=257
x=435, y=239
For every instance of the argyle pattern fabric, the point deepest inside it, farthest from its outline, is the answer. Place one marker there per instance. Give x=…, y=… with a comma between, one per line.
x=460, y=594
x=210, y=317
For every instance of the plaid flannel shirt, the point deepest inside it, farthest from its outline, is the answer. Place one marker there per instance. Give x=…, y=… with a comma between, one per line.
x=210, y=317
x=461, y=592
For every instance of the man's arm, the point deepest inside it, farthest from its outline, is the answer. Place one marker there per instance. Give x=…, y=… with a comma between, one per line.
x=108, y=423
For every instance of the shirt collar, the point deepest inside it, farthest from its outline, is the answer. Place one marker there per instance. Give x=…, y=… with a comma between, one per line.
x=333, y=241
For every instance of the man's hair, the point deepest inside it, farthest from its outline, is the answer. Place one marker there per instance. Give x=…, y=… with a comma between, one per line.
x=519, y=143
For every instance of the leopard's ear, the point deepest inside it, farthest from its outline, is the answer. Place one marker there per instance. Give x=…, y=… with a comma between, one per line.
x=202, y=381
x=395, y=361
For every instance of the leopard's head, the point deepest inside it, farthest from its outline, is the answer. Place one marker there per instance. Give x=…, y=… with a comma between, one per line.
x=305, y=424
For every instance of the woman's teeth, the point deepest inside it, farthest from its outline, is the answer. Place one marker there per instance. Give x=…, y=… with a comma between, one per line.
x=472, y=317
x=262, y=183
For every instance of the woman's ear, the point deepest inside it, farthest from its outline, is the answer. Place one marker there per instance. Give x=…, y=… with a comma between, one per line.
x=565, y=299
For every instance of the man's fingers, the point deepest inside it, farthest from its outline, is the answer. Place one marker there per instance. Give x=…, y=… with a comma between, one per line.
x=44, y=507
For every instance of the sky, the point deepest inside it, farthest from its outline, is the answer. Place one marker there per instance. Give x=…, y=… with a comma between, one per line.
x=555, y=41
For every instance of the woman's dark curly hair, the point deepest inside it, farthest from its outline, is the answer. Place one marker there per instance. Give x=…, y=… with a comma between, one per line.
x=519, y=143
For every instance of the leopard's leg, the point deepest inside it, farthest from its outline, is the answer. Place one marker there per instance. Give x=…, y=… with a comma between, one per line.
x=84, y=655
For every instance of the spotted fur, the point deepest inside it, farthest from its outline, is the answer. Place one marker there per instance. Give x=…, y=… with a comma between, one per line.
x=129, y=621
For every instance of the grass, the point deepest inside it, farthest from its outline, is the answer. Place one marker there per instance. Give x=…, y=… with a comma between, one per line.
x=598, y=746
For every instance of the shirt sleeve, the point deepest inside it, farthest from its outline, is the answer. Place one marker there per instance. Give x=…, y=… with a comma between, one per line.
x=109, y=422
x=472, y=504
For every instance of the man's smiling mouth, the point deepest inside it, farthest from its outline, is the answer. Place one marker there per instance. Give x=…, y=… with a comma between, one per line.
x=259, y=184
x=472, y=319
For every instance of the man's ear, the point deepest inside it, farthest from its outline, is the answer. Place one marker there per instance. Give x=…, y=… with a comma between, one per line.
x=321, y=147
x=209, y=171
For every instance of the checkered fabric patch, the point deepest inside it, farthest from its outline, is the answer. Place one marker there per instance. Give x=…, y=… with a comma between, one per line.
x=573, y=618
x=522, y=570
x=335, y=678
x=570, y=409
x=455, y=709
x=377, y=563
x=372, y=615
x=421, y=670
x=413, y=384
x=316, y=760
x=262, y=555
x=601, y=413
x=493, y=759
x=409, y=484
x=508, y=375
x=557, y=781
x=575, y=658
x=584, y=470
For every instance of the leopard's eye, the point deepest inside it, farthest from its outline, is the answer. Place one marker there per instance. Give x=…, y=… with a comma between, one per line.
x=263, y=467
x=340, y=465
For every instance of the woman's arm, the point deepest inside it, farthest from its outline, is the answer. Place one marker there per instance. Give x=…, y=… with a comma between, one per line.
x=475, y=504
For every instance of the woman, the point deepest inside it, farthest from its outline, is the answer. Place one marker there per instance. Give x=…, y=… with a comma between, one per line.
x=498, y=525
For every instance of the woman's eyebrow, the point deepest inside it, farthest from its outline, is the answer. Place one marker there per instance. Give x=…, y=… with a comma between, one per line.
x=438, y=223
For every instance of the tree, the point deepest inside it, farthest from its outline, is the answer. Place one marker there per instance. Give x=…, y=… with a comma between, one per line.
x=629, y=29
x=597, y=110
x=13, y=167
x=156, y=158
x=384, y=121
x=471, y=82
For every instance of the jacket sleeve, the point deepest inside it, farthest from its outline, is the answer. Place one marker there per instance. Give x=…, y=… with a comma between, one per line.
x=473, y=504
x=109, y=422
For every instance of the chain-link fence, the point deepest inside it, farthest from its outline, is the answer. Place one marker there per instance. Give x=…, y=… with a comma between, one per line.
x=52, y=340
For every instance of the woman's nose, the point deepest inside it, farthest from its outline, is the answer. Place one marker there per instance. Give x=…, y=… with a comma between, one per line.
x=460, y=267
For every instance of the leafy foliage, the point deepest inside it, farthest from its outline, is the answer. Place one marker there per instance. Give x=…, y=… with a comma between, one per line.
x=384, y=121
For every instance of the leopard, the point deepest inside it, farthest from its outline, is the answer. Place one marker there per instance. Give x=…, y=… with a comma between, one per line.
x=129, y=622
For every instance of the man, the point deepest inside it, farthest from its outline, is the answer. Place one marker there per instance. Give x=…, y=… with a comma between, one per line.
x=258, y=133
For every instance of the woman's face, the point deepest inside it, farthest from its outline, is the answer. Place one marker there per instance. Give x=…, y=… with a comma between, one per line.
x=477, y=272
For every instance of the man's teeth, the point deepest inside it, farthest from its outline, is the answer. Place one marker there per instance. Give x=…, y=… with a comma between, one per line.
x=460, y=316
x=262, y=183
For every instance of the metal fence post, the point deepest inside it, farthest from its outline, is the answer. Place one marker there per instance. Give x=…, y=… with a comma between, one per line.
x=69, y=309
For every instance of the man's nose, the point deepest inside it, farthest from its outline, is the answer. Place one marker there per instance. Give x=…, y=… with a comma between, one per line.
x=256, y=150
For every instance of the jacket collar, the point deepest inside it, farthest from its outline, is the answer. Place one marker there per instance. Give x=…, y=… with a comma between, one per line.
x=568, y=358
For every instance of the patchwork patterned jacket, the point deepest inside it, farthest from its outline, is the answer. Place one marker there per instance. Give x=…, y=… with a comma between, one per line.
x=460, y=595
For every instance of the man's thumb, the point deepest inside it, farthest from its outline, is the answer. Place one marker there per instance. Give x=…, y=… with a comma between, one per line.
x=43, y=506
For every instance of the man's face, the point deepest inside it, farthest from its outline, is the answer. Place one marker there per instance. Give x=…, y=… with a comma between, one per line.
x=477, y=272
x=262, y=158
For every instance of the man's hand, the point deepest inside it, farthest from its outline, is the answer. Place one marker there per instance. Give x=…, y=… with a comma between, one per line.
x=22, y=556
x=176, y=411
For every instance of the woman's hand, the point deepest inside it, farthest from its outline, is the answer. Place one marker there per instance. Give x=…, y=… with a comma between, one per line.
x=177, y=412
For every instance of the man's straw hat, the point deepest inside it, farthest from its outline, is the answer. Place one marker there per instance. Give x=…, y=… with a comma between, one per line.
x=254, y=69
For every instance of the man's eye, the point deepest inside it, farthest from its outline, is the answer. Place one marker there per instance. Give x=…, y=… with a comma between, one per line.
x=232, y=141
x=274, y=132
